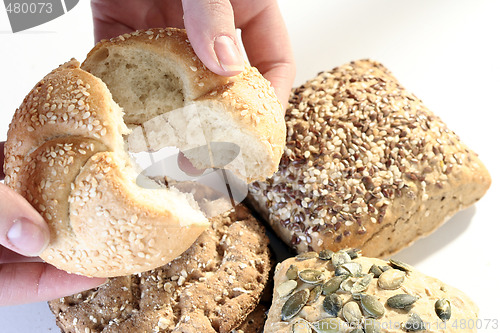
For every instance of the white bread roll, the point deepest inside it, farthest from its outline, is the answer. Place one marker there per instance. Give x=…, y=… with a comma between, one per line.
x=66, y=153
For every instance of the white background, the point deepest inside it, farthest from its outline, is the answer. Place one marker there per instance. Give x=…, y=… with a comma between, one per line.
x=446, y=52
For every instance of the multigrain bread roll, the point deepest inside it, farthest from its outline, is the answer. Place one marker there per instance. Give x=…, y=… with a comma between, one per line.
x=344, y=292
x=66, y=150
x=367, y=165
x=212, y=287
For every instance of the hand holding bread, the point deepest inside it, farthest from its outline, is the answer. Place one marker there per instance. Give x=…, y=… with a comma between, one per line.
x=66, y=154
x=211, y=29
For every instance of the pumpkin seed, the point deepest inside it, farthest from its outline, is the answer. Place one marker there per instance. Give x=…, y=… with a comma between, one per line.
x=443, y=309
x=375, y=270
x=362, y=283
x=347, y=284
x=301, y=326
x=401, y=301
x=371, y=306
x=357, y=296
x=415, y=323
x=391, y=279
x=354, y=268
x=333, y=284
x=328, y=325
x=292, y=272
x=314, y=294
x=339, y=258
x=339, y=271
x=354, y=253
x=286, y=288
x=385, y=268
x=294, y=304
x=332, y=304
x=352, y=313
x=400, y=265
x=326, y=254
x=357, y=330
x=311, y=276
x=306, y=255
x=356, y=284
x=372, y=326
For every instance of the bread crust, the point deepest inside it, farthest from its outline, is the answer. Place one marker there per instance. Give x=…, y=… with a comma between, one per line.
x=366, y=166
x=212, y=287
x=247, y=98
x=66, y=153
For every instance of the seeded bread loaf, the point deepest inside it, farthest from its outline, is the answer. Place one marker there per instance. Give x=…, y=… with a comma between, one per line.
x=212, y=287
x=344, y=292
x=366, y=165
x=66, y=150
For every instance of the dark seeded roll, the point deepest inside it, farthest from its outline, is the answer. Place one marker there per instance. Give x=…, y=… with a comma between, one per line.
x=367, y=165
x=212, y=287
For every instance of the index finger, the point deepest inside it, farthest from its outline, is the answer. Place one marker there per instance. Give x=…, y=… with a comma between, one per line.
x=268, y=45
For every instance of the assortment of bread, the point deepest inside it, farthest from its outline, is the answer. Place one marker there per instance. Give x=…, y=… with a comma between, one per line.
x=366, y=165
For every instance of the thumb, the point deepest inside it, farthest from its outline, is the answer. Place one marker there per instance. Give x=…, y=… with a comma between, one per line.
x=211, y=31
x=22, y=229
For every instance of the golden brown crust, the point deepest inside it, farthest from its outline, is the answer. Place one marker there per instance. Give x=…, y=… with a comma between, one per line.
x=212, y=287
x=66, y=152
x=67, y=128
x=254, y=105
x=172, y=45
x=367, y=165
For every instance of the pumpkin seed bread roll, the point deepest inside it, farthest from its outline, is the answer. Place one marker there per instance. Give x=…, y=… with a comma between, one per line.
x=68, y=143
x=345, y=292
x=366, y=166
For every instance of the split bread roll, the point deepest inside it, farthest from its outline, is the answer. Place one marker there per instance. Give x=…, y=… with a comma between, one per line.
x=66, y=150
x=366, y=166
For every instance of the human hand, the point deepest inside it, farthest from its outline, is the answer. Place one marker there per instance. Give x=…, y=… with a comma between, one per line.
x=210, y=27
x=24, y=278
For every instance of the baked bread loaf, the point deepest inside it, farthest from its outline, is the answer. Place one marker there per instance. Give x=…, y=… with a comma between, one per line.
x=366, y=166
x=342, y=292
x=211, y=287
x=66, y=150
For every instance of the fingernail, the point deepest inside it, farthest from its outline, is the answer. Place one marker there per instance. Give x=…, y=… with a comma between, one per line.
x=228, y=54
x=27, y=237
